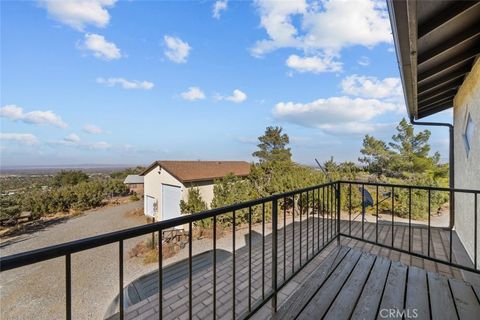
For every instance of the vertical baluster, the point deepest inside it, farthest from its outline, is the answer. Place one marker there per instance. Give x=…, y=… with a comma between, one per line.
x=331, y=211
x=160, y=274
x=308, y=229
x=301, y=230
x=233, y=265
x=274, y=252
x=249, y=259
x=190, y=296
x=363, y=209
x=409, y=219
x=263, y=251
x=452, y=221
x=429, y=211
x=452, y=212
x=475, y=230
x=318, y=218
x=293, y=235
x=393, y=210
x=376, y=217
x=313, y=223
x=68, y=286
x=350, y=209
x=327, y=209
x=214, y=267
x=120, y=277
x=323, y=216
x=284, y=239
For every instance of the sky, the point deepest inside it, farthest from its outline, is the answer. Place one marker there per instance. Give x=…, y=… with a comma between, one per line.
x=130, y=82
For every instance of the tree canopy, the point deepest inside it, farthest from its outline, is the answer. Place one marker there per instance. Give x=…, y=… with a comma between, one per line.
x=273, y=146
x=405, y=156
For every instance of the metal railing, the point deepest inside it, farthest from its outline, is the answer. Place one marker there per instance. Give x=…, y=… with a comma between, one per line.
x=309, y=216
x=402, y=202
x=302, y=223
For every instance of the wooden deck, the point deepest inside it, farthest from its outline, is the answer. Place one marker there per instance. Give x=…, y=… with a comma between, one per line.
x=297, y=243
x=351, y=284
x=415, y=239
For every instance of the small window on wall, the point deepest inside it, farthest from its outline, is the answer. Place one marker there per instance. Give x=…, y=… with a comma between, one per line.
x=468, y=134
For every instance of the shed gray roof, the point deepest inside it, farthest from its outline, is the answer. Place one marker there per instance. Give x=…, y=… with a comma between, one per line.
x=133, y=178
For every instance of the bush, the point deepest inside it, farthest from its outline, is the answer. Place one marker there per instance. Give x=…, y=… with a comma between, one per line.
x=69, y=178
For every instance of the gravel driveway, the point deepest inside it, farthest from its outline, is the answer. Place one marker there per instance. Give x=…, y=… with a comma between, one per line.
x=38, y=291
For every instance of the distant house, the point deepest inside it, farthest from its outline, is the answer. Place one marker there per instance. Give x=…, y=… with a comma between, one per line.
x=167, y=182
x=134, y=183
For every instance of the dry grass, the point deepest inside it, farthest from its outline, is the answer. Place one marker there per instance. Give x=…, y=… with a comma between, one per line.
x=149, y=252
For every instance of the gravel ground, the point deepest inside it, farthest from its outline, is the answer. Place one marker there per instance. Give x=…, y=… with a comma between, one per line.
x=38, y=291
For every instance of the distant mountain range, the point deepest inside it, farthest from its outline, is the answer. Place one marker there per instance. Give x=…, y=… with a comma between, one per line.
x=52, y=169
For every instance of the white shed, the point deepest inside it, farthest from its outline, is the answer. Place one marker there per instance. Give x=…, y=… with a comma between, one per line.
x=167, y=182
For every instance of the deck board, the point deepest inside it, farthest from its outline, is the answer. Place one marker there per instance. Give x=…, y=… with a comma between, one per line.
x=465, y=300
x=321, y=301
x=371, y=295
x=441, y=300
x=294, y=305
x=366, y=286
x=417, y=293
x=394, y=292
x=342, y=307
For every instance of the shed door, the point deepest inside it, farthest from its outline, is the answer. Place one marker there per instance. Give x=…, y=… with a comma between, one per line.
x=150, y=209
x=170, y=201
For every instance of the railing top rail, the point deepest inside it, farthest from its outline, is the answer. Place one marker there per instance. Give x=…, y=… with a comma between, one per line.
x=55, y=251
x=383, y=184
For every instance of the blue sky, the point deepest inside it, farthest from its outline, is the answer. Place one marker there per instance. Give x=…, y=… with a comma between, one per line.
x=129, y=82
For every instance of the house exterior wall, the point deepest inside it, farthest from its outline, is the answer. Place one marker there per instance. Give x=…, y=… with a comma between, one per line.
x=153, y=187
x=467, y=165
x=205, y=188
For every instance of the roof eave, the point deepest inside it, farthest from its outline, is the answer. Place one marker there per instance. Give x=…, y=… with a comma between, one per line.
x=403, y=22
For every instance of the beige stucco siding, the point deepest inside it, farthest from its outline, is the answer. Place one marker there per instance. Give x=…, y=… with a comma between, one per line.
x=205, y=188
x=467, y=166
x=153, y=188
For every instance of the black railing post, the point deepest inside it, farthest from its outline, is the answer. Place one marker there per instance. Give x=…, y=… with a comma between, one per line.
x=274, y=253
x=120, y=278
x=338, y=211
x=68, y=286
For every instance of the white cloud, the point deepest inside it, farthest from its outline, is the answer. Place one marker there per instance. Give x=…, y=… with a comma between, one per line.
x=237, y=96
x=177, y=50
x=372, y=87
x=79, y=13
x=218, y=7
x=92, y=129
x=16, y=113
x=314, y=64
x=335, y=114
x=100, y=47
x=126, y=84
x=23, y=138
x=72, y=138
x=192, y=94
x=101, y=145
x=364, y=61
x=326, y=26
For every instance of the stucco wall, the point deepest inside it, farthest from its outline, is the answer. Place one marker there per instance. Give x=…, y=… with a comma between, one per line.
x=205, y=188
x=467, y=166
x=153, y=187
